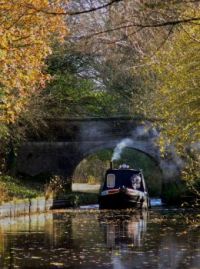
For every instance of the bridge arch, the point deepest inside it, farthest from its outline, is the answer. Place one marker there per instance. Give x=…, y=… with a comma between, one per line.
x=73, y=140
x=61, y=158
x=104, y=147
x=93, y=166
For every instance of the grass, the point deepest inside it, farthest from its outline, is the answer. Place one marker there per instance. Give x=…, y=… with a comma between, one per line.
x=12, y=188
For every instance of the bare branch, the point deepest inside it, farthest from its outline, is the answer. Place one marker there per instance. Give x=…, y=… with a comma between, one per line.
x=140, y=25
x=94, y=8
x=116, y=41
x=164, y=41
x=74, y=13
x=190, y=35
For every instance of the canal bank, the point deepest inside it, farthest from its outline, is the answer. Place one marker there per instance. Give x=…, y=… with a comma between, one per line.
x=25, y=207
x=18, y=197
x=81, y=195
x=17, y=207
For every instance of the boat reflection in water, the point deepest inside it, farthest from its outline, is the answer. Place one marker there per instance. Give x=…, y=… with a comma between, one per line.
x=124, y=231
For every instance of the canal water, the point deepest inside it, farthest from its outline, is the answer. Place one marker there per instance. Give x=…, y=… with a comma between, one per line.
x=89, y=238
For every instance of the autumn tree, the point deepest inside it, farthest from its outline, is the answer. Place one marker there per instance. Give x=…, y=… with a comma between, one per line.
x=26, y=34
x=25, y=38
x=173, y=74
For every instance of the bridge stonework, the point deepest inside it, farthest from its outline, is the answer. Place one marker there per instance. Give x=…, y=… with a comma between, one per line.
x=61, y=147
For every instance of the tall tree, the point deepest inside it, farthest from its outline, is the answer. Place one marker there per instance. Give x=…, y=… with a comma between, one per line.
x=25, y=37
x=174, y=77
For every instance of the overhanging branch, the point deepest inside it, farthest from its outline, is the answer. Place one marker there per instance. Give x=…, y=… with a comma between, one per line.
x=142, y=26
x=94, y=8
x=74, y=13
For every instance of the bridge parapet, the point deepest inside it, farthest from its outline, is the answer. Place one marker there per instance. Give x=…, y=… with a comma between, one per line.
x=62, y=129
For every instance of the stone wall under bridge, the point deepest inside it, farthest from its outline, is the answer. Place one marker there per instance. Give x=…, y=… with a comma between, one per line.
x=73, y=140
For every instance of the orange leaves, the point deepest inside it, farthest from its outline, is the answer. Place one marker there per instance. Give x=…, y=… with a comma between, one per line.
x=25, y=36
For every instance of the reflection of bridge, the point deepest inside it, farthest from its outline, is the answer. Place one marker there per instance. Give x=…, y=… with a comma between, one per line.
x=64, y=143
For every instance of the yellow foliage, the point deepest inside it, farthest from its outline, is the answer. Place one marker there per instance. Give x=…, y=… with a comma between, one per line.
x=4, y=196
x=176, y=94
x=177, y=98
x=26, y=30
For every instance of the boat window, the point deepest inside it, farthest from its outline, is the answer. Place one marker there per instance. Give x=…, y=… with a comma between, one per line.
x=110, y=181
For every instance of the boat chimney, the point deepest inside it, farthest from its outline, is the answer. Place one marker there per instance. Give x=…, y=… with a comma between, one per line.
x=111, y=165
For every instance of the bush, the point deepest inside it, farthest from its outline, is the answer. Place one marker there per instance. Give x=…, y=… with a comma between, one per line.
x=172, y=193
x=57, y=186
x=4, y=197
x=12, y=188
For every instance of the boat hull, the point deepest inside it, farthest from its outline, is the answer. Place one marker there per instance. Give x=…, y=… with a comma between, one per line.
x=120, y=200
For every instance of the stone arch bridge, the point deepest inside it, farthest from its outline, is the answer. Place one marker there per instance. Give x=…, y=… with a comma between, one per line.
x=61, y=146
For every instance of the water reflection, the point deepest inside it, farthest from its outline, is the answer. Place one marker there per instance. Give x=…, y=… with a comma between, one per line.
x=94, y=239
x=124, y=230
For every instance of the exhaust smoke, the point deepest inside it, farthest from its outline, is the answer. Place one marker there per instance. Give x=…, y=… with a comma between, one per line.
x=138, y=132
x=120, y=147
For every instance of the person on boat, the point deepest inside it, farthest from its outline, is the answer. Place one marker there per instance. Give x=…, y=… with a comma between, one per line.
x=136, y=182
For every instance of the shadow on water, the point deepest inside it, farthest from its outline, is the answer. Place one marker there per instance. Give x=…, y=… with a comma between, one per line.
x=100, y=239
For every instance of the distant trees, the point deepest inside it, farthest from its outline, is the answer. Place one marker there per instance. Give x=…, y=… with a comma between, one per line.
x=77, y=89
x=158, y=41
x=105, y=66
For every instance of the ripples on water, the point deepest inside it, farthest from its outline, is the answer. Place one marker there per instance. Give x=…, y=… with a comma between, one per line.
x=101, y=239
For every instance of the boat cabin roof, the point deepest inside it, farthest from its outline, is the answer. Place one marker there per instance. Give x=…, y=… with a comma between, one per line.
x=115, y=170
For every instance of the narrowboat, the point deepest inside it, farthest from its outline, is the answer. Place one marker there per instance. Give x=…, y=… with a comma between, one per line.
x=124, y=188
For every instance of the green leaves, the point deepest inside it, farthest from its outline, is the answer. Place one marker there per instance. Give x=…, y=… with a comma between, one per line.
x=176, y=97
